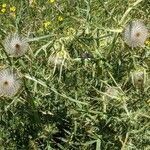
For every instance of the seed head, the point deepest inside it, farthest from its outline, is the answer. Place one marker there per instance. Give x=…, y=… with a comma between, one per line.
x=112, y=92
x=138, y=78
x=15, y=45
x=135, y=34
x=9, y=83
x=59, y=58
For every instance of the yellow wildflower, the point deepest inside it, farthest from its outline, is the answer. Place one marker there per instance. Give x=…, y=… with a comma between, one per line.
x=147, y=42
x=4, y=5
x=13, y=8
x=3, y=10
x=60, y=18
x=51, y=1
x=46, y=24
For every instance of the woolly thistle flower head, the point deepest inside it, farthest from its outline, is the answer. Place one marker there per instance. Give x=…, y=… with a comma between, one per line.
x=9, y=83
x=135, y=34
x=59, y=58
x=56, y=60
x=138, y=78
x=15, y=45
x=112, y=92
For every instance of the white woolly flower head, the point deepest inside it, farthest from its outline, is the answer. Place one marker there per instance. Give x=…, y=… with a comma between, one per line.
x=16, y=45
x=135, y=34
x=139, y=78
x=56, y=60
x=59, y=58
x=9, y=83
x=112, y=92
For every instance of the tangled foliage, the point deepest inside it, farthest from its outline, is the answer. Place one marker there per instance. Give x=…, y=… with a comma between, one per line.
x=83, y=87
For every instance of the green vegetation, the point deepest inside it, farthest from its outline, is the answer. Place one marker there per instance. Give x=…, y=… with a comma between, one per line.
x=81, y=87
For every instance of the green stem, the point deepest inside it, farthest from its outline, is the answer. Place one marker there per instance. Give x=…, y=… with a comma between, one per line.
x=8, y=58
x=32, y=104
